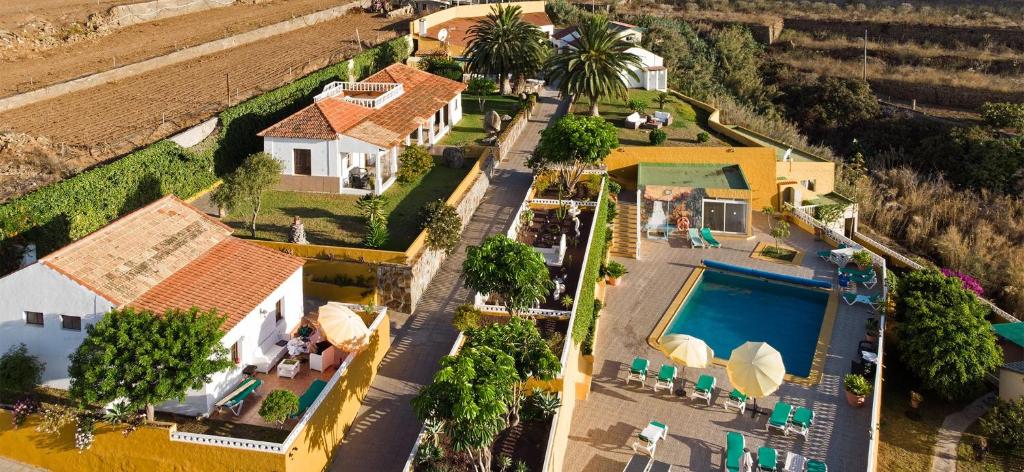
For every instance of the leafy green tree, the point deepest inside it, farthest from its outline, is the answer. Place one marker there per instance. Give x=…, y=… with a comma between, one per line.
x=413, y=162
x=278, y=406
x=520, y=339
x=373, y=209
x=469, y=397
x=596, y=66
x=832, y=102
x=505, y=45
x=1004, y=115
x=573, y=144
x=20, y=371
x=481, y=87
x=443, y=225
x=945, y=339
x=506, y=267
x=689, y=59
x=243, y=188
x=1004, y=424
x=740, y=60
x=145, y=358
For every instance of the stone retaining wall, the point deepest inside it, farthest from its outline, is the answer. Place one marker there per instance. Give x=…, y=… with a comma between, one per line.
x=127, y=15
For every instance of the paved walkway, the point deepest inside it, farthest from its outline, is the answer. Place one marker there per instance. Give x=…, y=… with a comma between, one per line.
x=605, y=424
x=386, y=427
x=953, y=427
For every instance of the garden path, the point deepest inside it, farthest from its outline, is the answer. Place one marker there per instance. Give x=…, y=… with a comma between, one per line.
x=944, y=452
x=386, y=427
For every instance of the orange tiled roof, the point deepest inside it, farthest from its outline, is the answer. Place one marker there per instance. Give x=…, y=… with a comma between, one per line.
x=458, y=28
x=424, y=94
x=234, y=277
x=170, y=254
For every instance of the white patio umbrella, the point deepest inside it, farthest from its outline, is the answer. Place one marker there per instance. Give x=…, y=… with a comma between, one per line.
x=756, y=369
x=343, y=327
x=687, y=350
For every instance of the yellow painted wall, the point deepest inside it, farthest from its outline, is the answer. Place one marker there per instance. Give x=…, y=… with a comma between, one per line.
x=314, y=445
x=328, y=291
x=824, y=173
x=467, y=11
x=147, y=449
x=757, y=164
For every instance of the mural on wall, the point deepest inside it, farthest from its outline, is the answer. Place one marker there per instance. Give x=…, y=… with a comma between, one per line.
x=679, y=207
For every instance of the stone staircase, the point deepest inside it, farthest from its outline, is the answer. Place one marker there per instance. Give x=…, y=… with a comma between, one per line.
x=624, y=243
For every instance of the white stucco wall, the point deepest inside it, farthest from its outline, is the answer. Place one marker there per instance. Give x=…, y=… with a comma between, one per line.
x=1011, y=384
x=323, y=154
x=253, y=330
x=41, y=289
x=455, y=107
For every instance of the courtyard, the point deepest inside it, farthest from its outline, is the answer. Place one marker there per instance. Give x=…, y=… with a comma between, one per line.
x=608, y=421
x=687, y=122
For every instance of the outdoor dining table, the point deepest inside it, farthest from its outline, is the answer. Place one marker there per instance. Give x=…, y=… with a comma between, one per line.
x=841, y=257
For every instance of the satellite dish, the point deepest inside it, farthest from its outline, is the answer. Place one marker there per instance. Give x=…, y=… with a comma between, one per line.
x=442, y=35
x=785, y=157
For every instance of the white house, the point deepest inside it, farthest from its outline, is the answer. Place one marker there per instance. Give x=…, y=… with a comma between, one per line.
x=349, y=139
x=651, y=76
x=165, y=255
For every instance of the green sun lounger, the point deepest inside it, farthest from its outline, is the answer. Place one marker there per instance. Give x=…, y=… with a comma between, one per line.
x=734, y=444
x=666, y=377
x=705, y=233
x=816, y=466
x=736, y=400
x=801, y=421
x=235, y=399
x=695, y=241
x=867, y=281
x=767, y=458
x=309, y=396
x=638, y=370
x=780, y=417
x=705, y=385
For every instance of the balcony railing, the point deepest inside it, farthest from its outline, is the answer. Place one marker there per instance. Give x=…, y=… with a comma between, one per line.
x=390, y=91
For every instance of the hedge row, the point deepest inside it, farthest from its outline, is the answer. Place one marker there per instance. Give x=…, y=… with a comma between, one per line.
x=60, y=213
x=591, y=273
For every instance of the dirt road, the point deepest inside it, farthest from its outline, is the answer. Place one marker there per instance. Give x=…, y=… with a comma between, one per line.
x=25, y=71
x=112, y=119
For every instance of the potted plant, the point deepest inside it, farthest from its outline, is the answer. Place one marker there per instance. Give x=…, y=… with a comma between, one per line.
x=613, y=273
x=862, y=258
x=915, y=399
x=871, y=329
x=857, y=389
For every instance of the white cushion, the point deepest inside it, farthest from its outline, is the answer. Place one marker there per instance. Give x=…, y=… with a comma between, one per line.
x=634, y=118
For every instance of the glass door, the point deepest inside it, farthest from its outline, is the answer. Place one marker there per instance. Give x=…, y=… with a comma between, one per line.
x=726, y=216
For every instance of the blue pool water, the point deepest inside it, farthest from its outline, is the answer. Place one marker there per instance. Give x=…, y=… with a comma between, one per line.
x=727, y=310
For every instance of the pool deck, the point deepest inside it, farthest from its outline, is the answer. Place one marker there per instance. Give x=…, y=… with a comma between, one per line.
x=605, y=424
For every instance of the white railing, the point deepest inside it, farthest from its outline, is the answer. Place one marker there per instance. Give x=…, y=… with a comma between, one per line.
x=555, y=201
x=334, y=89
x=284, y=446
x=539, y=312
x=410, y=462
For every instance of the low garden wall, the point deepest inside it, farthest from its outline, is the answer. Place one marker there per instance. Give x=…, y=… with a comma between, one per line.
x=507, y=137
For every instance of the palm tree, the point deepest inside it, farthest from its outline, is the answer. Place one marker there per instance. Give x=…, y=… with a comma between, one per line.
x=596, y=66
x=506, y=46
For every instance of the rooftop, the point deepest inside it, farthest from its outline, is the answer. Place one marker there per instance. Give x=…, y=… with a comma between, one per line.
x=692, y=175
x=458, y=29
x=384, y=124
x=1013, y=332
x=169, y=254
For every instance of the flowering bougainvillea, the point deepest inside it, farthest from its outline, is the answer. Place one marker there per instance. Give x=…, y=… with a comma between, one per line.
x=23, y=408
x=969, y=283
x=84, y=433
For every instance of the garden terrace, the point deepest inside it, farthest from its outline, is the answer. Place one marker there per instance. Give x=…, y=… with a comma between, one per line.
x=470, y=130
x=545, y=231
x=335, y=220
x=687, y=121
x=547, y=188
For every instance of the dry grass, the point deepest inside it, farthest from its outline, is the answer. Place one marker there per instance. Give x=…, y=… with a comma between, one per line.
x=837, y=41
x=981, y=234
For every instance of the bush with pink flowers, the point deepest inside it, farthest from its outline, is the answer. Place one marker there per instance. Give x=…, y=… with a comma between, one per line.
x=970, y=283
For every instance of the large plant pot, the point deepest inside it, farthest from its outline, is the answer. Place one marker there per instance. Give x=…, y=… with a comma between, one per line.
x=613, y=281
x=854, y=400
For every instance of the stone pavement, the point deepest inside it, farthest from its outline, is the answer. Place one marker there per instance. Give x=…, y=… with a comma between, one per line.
x=953, y=427
x=605, y=424
x=386, y=428
x=11, y=465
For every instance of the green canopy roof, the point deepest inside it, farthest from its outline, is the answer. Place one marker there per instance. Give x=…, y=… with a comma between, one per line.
x=692, y=175
x=1013, y=332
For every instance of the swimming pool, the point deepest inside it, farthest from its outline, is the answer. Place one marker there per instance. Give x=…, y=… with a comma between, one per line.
x=726, y=310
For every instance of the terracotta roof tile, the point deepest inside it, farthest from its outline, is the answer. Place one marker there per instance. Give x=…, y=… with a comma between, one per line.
x=233, y=277
x=132, y=254
x=424, y=94
x=458, y=28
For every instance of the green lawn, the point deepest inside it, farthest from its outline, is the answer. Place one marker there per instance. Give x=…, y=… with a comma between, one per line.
x=471, y=128
x=686, y=120
x=334, y=220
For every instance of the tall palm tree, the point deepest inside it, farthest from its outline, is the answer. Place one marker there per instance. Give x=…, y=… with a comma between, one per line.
x=596, y=66
x=506, y=46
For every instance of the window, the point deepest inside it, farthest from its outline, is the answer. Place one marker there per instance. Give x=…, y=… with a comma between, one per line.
x=234, y=353
x=73, y=323
x=279, y=311
x=34, y=318
x=808, y=184
x=725, y=216
x=303, y=162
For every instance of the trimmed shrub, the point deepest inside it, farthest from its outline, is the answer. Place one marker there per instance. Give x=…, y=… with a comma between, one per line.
x=585, y=312
x=20, y=371
x=413, y=162
x=1004, y=424
x=466, y=318
x=443, y=225
x=278, y=406
x=657, y=136
x=703, y=137
x=443, y=66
